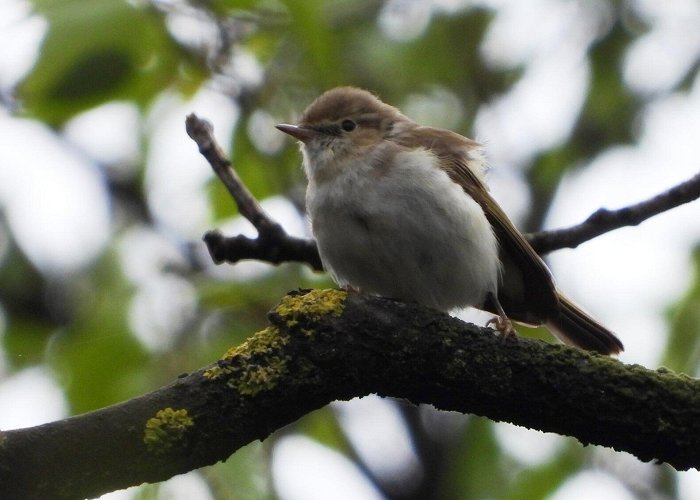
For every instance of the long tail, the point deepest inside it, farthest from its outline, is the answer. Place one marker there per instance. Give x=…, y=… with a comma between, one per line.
x=573, y=326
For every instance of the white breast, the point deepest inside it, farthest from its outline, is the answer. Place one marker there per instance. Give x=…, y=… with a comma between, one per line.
x=407, y=232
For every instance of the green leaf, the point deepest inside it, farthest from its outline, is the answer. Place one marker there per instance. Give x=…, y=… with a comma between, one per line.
x=610, y=108
x=543, y=480
x=242, y=476
x=477, y=471
x=98, y=361
x=683, y=348
x=92, y=76
x=100, y=51
x=320, y=43
x=28, y=322
x=323, y=426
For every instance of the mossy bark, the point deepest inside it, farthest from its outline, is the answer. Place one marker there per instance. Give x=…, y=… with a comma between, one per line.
x=323, y=346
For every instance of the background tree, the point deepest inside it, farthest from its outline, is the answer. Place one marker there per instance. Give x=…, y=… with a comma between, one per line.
x=107, y=292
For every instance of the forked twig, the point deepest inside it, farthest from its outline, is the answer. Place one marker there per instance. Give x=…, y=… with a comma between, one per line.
x=273, y=244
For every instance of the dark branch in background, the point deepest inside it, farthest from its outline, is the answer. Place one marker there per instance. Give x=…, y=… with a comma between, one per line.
x=604, y=220
x=326, y=345
x=274, y=245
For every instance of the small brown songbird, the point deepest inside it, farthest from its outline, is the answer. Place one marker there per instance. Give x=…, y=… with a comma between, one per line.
x=403, y=211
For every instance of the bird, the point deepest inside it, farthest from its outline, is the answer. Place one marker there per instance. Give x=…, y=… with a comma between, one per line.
x=403, y=211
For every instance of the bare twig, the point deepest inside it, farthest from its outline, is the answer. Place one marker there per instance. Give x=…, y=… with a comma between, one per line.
x=202, y=132
x=274, y=245
x=604, y=220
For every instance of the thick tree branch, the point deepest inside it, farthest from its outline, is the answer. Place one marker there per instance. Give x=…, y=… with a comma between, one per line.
x=323, y=346
x=274, y=245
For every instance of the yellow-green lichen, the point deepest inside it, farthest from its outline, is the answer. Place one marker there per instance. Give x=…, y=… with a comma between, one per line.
x=256, y=365
x=255, y=378
x=264, y=342
x=314, y=304
x=216, y=372
x=166, y=429
x=253, y=366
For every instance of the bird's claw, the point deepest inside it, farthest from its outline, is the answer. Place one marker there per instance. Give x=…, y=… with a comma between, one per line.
x=503, y=326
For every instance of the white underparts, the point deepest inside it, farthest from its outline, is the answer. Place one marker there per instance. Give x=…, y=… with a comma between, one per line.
x=405, y=231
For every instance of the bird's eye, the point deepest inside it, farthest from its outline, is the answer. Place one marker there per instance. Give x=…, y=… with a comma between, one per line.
x=348, y=125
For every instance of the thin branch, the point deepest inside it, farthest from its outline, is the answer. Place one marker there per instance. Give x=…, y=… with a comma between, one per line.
x=604, y=220
x=274, y=245
x=326, y=345
x=202, y=132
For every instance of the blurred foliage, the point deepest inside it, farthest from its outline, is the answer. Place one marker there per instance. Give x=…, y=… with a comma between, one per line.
x=683, y=348
x=81, y=324
x=109, y=51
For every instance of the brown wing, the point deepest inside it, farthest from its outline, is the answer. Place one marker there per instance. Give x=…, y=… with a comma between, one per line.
x=527, y=292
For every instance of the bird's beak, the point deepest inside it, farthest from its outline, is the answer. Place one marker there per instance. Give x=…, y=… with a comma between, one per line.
x=302, y=134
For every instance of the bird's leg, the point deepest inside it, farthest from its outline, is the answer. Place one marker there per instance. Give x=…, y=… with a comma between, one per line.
x=501, y=322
